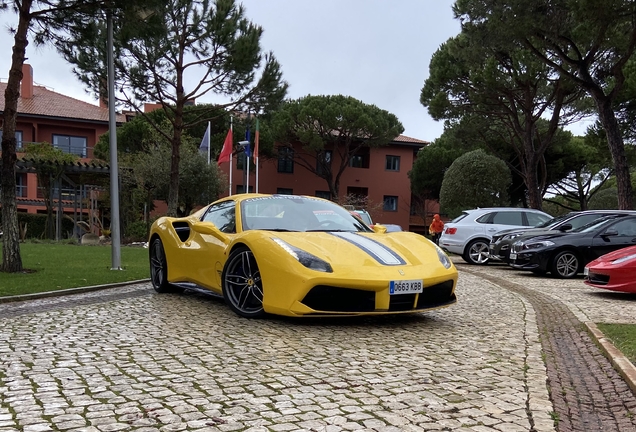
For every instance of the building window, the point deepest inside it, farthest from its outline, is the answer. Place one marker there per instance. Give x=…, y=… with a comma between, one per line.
x=21, y=185
x=284, y=191
x=323, y=161
x=285, y=160
x=392, y=163
x=241, y=189
x=390, y=203
x=18, y=139
x=360, y=159
x=70, y=144
x=323, y=194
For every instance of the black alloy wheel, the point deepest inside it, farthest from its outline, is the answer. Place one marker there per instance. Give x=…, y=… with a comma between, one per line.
x=242, y=284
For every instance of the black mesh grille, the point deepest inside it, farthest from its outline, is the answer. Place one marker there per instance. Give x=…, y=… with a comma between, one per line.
x=597, y=279
x=437, y=295
x=401, y=302
x=335, y=299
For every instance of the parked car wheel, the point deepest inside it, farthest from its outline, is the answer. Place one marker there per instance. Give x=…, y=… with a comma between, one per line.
x=242, y=285
x=565, y=265
x=477, y=252
x=159, y=267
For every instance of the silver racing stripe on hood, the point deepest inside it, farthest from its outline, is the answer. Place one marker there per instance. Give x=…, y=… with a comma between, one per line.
x=381, y=253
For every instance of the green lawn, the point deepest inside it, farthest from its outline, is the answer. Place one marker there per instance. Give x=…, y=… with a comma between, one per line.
x=55, y=266
x=623, y=336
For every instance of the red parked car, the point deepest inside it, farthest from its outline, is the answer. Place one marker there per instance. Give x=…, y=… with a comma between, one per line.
x=614, y=271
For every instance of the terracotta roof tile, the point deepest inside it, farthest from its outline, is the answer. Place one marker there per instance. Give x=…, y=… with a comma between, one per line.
x=406, y=139
x=46, y=102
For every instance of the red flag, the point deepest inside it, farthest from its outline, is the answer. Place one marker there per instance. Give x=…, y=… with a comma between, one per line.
x=226, y=151
x=256, y=136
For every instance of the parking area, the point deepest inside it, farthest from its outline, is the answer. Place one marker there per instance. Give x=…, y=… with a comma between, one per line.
x=129, y=359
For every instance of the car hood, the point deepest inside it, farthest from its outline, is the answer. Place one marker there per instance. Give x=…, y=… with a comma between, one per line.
x=550, y=235
x=363, y=249
x=524, y=231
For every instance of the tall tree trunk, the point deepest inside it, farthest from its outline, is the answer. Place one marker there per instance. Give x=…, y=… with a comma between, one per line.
x=617, y=149
x=173, y=192
x=11, y=259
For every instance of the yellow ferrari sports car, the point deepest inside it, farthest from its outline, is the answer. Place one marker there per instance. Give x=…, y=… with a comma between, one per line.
x=298, y=256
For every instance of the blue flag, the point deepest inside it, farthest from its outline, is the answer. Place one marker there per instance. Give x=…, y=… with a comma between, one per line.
x=247, y=150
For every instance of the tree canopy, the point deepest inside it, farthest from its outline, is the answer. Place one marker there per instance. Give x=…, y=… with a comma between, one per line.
x=330, y=126
x=589, y=43
x=189, y=49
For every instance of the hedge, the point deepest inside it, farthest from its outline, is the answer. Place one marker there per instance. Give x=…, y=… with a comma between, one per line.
x=36, y=225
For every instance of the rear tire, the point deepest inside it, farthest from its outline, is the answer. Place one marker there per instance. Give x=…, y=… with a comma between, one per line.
x=477, y=252
x=565, y=265
x=159, y=268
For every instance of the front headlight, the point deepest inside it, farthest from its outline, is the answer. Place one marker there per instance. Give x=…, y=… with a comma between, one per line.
x=623, y=259
x=443, y=258
x=305, y=258
x=531, y=245
x=510, y=236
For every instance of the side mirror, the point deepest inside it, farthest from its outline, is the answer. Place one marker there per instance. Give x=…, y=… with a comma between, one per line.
x=379, y=229
x=610, y=233
x=565, y=227
x=209, y=228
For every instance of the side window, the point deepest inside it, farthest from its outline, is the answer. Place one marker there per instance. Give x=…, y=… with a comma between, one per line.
x=625, y=228
x=485, y=219
x=508, y=218
x=223, y=215
x=535, y=219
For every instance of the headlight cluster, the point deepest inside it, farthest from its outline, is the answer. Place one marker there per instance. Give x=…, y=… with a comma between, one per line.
x=443, y=258
x=531, y=245
x=623, y=259
x=305, y=258
x=510, y=236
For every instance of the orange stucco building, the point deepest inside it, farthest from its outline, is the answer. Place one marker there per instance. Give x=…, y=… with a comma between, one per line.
x=69, y=124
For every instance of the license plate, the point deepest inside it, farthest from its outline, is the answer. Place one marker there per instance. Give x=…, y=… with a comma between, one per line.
x=586, y=271
x=513, y=256
x=406, y=286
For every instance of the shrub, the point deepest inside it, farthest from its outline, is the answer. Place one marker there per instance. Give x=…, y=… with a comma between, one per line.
x=475, y=179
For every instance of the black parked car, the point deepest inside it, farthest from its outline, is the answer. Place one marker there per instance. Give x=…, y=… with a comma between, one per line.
x=565, y=254
x=501, y=242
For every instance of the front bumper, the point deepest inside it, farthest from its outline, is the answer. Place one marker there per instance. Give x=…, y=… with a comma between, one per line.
x=528, y=261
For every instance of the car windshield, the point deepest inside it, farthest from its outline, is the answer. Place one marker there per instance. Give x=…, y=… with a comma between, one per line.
x=594, y=225
x=295, y=213
x=554, y=221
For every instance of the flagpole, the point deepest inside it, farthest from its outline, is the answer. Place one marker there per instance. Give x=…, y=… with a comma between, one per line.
x=256, y=139
x=208, y=134
x=231, y=166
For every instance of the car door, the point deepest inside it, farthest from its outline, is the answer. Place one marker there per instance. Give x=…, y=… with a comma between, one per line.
x=206, y=252
x=620, y=234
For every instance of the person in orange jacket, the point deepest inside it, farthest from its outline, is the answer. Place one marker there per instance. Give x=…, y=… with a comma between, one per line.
x=436, y=228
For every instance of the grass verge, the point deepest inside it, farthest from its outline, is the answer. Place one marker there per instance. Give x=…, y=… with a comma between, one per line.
x=623, y=336
x=55, y=266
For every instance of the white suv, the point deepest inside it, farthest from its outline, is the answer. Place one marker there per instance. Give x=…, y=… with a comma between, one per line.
x=469, y=234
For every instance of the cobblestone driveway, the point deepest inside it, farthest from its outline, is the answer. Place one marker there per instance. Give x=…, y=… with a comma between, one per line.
x=129, y=359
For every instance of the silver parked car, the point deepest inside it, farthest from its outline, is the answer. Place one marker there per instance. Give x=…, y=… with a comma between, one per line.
x=469, y=234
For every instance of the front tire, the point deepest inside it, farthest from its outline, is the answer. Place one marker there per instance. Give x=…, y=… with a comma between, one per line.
x=477, y=252
x=565, y=265
x=242, y=284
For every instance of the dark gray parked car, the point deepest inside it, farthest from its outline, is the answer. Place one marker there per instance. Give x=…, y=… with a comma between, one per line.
x=501, y=241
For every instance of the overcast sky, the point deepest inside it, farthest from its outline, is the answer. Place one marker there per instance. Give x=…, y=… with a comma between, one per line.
x=377, y=51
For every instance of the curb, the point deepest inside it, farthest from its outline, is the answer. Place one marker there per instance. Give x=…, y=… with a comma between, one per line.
x=621, y=363
x=69, y=291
